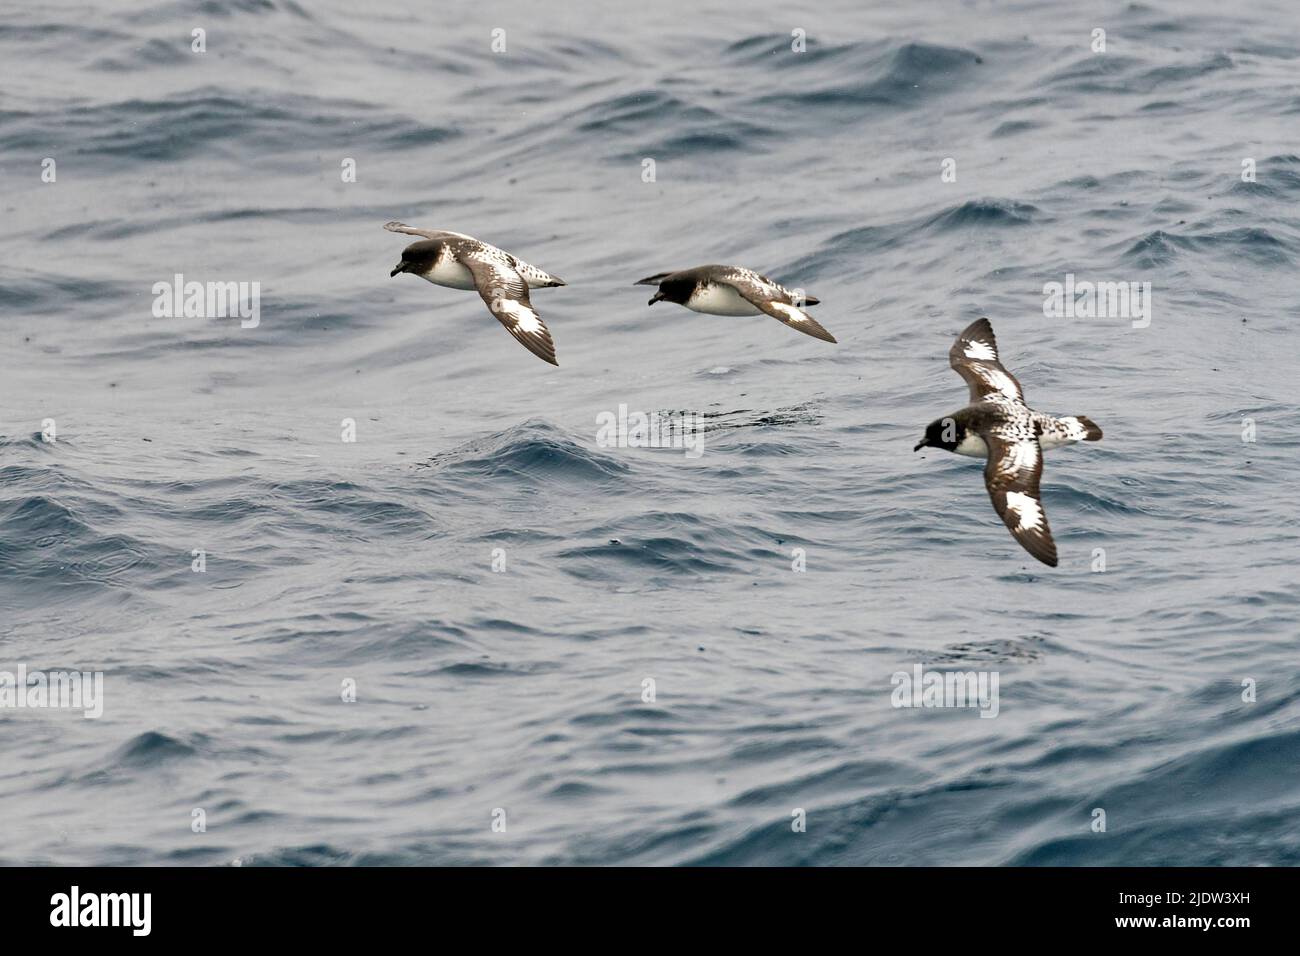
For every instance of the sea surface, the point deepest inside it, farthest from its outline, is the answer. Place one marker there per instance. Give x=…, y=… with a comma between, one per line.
x=567, y=653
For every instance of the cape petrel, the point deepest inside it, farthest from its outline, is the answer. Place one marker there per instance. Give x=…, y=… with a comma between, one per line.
x=462, y=262
x=998, y=426
x=732, y=290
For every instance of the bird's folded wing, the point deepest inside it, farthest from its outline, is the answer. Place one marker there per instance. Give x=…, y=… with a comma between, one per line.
x=395, y=226
x=1014, y=468
x=506, y=294
x=974, y=356
x=654, y=279
x=764, y=294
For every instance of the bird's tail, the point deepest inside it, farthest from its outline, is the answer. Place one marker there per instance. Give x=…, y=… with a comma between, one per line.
x=1081, y=428
x=801, y=298
x=537, y=278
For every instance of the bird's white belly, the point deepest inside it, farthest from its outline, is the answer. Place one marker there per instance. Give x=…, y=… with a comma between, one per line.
x=448, y=272
x=718, y=299
x=973, y=446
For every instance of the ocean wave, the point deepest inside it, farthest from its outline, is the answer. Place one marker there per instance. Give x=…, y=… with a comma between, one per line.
x=898, y=75
x=984, y=212
x=1119, y=74
x=210, y=121
x=531, y=452
x=1160, y=248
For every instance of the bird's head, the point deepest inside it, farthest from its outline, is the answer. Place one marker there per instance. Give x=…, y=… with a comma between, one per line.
x=673, y=290
x=942, y=433
x=418, y=257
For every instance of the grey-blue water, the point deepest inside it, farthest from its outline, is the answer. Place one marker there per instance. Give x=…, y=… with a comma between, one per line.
x=1163, y=690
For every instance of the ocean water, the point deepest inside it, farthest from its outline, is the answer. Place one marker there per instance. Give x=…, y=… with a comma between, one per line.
x=646, y=678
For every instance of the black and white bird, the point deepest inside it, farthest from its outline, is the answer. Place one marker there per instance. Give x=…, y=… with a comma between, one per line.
x=462, y=262
x=732, y=290
x=997, y=425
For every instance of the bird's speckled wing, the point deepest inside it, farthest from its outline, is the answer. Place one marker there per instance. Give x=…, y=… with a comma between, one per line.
x=506, y=293
x=762, y=293
x=1012, y=475
x=974, y=356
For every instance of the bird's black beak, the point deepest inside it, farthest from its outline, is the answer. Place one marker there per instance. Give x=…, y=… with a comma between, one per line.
x=656, y=298
x=400, y=267
x=921, y=444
